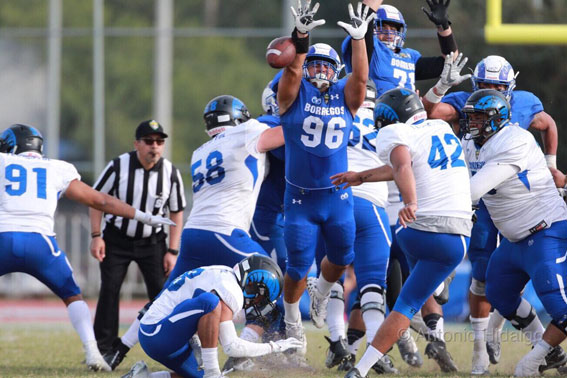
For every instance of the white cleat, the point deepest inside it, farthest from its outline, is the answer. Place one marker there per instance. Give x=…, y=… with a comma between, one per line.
x=480, y=360
x=93, y=358
x=529, y=366
x=138, y=370
x=296, y=330
x=317, y=303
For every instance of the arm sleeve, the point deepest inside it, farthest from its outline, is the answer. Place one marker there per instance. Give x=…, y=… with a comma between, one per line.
x=234, y=346
x=489, y=177
x=429, y=67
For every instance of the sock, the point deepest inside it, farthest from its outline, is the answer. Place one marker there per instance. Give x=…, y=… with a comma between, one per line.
x=434, y=324
x=541, y=349
x=336, y=313
x=249, y=334
x=534, y=331
x=373, y=319
x=479, y=326
x=210, y=360
x=160, y=374
x=324, y=286
x=80, y=317
x=130, y=338
x=354, y=338
x=495, y=324
x=370, y=357
x=292, y=312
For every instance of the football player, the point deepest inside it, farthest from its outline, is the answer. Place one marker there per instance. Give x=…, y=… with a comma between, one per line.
x=426, y=161
x=30, y=187
x=520, y=195
x=203, y=301
x=316, y=111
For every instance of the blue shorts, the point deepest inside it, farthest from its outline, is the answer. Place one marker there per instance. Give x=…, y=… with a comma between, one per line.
x=484, y=236
x=39, y=256
x=541, y=257
x=267, y=229
x=432, y=257
x=203, y=248
x=310, y=212
x=397, y=253
x=168, y=340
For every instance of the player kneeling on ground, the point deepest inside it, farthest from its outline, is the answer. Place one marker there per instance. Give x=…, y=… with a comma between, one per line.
x=203, y=301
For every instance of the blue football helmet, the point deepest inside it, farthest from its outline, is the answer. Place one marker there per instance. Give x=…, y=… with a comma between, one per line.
x=392, y=16
x=224, y=111
x=323, y=56
x=269, y=101
x=261, y=280
x=21, y=138
x=398, y=105
x=494, y=105
x=495, y=69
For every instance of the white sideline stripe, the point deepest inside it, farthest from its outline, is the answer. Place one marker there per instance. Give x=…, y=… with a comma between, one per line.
x=464, y=245
x=186, y=314
x=382, y=225
x=561, y=287
x=261, y=237
x=51, y=246
x=398, y=229
x=225, y=243
x=561, y=259
x=158, y=328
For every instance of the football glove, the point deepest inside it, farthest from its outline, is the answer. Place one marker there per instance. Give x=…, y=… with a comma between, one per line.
x=358, y=22
x=152, y=220
x=450, y=77
x=438, y=14
x=283, y=345
x=303, y=17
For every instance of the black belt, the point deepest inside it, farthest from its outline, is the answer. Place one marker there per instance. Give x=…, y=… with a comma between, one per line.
x=114, y=236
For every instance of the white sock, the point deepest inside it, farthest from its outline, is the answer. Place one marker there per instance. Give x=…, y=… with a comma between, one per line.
x=160, y=374
x=495, y=323
x=534, y=330
x=210, y=360
x=249, y=334
x=479, y=326
x=80, y=317
x=435, y=328
x=373, y=319
x=292, y=312
x=336, y=313
x=370, y=357
x=353, y=349
x=541, y=349
x=324, y=286
x=130, y=338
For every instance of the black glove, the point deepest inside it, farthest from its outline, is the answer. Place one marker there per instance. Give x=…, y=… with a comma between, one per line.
x=438, y=14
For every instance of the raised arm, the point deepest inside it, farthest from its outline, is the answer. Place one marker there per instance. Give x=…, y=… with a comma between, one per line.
x=270, y=139
x=438, y=14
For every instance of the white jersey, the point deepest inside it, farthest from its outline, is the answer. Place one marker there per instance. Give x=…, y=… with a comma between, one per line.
x=227, y=174
x=31, y=186
x=438, y=163
x=219, y=278
x=525, y=200
x=362, y=155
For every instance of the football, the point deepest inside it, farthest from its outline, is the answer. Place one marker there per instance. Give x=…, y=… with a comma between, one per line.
x=280, y=52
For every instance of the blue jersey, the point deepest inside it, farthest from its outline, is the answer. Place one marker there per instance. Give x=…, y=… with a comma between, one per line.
x=525, y=105
x=316, y=130
x=388, y=69
x=271, y=195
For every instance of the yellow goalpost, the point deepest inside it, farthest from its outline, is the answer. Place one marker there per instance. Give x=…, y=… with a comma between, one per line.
x=495, y=32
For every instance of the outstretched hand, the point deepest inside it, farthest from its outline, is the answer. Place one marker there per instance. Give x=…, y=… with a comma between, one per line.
x=451, y=75
x=303, y=18
x=348, y=178
x=438, y=12
x=283, y=345
x=358, y=24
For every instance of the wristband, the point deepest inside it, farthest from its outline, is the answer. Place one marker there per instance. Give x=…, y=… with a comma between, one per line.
x=173, y=251
x=301, y=44
x=95, y=234
x=551, y=161
x=432, y=97
x=448, y=43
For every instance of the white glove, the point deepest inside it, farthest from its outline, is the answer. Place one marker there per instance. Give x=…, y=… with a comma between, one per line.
x=450, y=77
x=152, y=220
x=358, y=22
x=303, y=17
x=283, y=345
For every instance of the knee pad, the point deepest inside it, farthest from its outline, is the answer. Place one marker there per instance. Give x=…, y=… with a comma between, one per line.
x=523, y=316
x=338, y=291
x=478, y=288
x=372, y=297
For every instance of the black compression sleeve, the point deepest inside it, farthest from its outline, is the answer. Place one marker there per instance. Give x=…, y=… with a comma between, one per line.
x=369, y=38
x=429, y=67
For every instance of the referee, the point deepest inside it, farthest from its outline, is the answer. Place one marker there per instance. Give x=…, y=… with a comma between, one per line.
x=148, y=182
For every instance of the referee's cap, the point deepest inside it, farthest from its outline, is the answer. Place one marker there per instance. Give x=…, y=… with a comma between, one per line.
x=149, y=127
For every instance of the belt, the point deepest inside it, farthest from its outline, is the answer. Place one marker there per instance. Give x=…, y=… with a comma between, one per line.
x=114, y=236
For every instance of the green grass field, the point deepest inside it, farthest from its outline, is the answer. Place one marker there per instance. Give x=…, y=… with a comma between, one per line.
x=34, y=350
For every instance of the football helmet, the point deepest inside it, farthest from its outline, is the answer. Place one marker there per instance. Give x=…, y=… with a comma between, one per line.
x=495, y=69
x=398, y=105
x=224, y=111
x=21, y=138
x=388, y=14
x=327, y=65
x=261, y=280
x=269, y=101
x=494, y=105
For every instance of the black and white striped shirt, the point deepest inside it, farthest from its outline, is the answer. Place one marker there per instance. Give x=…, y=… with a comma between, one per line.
x=157, y=190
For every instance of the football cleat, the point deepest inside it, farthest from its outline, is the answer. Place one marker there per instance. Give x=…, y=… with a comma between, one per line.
x=93, y=358
x=138, y=370
x=443, y=296
x=317, y=303
x=296, y=330
x=438, y=351
x=385, y=366
x=554, y=359
x=354, y=373
x=238, y=364
x=529, y=366
x=347, y=363
x=336, y=353
x=408, y=350
x=480, y=361
x=494, y=350
x=116, y=354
